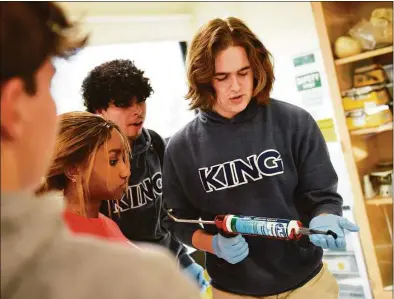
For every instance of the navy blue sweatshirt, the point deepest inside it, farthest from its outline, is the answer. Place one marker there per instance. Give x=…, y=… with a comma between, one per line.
x=142, y=214
x=267, y=161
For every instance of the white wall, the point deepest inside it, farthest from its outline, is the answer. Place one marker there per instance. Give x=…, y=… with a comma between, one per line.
x=126, y=22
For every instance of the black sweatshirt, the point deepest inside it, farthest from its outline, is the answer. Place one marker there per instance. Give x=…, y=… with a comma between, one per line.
x=268, y=161
x=142, y=214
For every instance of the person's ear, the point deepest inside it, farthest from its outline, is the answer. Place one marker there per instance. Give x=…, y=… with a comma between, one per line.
x=13, y=96
x=72, y=172
x=102, y=112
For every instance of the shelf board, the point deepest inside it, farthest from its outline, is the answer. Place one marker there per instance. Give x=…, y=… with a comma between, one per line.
x=339, y=252
x=379, y=200
x=388, y=289
x=364, y=55
x=382, y=128
x=351, y=273
x=383, y=246
x=384, y=294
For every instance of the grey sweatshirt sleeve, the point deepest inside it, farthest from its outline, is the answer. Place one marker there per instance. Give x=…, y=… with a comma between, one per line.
x=176, y=200
x=317, y=179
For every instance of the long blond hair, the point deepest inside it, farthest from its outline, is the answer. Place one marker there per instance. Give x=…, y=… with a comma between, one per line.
x=79, y=137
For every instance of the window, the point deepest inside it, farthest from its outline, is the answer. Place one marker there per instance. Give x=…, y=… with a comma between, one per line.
x=163, y=63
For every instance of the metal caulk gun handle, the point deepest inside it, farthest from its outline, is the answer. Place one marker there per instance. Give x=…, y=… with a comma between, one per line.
x=309, y=231
x=218, y=222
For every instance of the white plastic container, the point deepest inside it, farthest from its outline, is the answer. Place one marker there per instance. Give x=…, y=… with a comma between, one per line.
x=389, y=71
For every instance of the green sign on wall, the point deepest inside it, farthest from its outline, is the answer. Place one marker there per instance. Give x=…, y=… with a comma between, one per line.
x=308, y=81
x=302, y=60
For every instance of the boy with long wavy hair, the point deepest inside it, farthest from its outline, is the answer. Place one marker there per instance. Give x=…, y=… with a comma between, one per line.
x=251, y=155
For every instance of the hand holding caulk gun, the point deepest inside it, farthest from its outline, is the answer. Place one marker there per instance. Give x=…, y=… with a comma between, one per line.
x=326, y=231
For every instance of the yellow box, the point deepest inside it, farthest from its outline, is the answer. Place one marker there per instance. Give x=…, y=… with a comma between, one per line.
x=358, y=98
x=368, y=118
x=369, y=75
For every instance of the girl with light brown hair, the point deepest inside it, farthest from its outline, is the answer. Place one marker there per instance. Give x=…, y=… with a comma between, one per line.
x=91, y=164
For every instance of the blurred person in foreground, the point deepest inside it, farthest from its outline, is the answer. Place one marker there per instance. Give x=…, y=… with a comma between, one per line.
x=39, y=256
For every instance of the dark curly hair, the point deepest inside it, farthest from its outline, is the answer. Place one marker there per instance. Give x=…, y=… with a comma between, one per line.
x=117, y=82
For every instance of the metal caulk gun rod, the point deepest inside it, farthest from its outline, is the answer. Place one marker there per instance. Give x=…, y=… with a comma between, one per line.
x=189, y=220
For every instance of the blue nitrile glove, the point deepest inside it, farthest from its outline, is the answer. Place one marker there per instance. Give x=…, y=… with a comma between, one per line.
x=335, y=223
x=196, y=272
x=233, y=250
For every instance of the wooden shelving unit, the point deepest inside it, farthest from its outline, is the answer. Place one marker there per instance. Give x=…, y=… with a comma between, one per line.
x=383, y=128
x=362, y=149
x=379, y=200
x=364, y=55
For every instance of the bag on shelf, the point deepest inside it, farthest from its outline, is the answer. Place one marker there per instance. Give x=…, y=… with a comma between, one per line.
x=375, y=33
